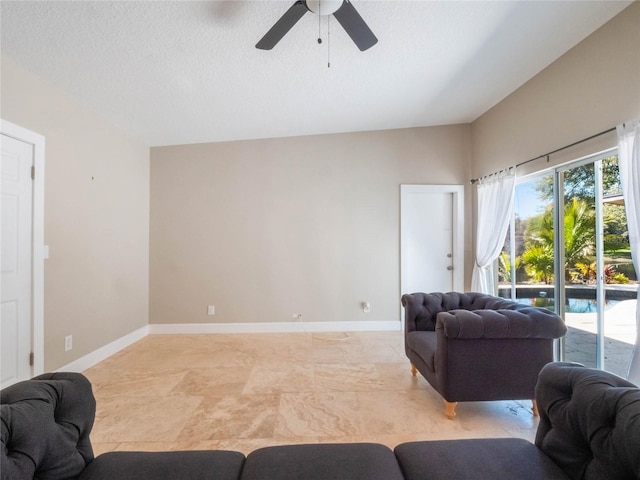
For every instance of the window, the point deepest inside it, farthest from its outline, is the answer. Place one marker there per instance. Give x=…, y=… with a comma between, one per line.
x=577, y=262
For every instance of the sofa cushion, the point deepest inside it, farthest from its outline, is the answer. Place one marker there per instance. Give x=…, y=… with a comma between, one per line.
x=351, y=461
x=589, y=422
x=478, y=459
x=46, y=423
x=188, y=465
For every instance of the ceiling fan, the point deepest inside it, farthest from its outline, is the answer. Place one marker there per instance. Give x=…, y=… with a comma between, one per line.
x=343, y=10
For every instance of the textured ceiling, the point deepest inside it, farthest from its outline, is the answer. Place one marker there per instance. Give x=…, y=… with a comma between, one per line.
x=177, y=72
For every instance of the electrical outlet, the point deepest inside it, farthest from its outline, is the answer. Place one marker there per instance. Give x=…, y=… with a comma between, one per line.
x=68, y=343
x=297, y=316
x=366, y=307
x=211, y=310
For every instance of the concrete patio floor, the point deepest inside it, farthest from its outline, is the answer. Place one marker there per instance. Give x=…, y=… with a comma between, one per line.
x=580, y=340
x=620, y=337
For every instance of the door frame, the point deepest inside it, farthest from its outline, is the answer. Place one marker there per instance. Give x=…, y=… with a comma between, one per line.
x=457, y=192
x=38, y=249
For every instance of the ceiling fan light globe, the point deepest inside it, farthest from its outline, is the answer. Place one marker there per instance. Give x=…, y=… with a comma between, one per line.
x=324, y=7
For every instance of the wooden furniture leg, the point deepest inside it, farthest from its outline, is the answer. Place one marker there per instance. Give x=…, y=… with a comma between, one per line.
x=534, y=408
x=414, y=370
x=450, y=409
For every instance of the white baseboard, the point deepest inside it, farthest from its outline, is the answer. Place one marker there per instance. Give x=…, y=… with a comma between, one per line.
x=105, y=352
x=273, y=327
x=102, y=353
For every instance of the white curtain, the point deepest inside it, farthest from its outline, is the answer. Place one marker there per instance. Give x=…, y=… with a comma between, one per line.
x=629, y=163
x=495, y=203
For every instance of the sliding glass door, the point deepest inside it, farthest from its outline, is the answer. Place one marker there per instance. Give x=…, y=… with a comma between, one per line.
x=580, y=296
x=568, y=251
x=619, y=276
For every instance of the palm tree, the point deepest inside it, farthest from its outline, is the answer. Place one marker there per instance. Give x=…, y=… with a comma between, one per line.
x=505, y=270
x=579, y=240
x=538, y=263
x=579, y=232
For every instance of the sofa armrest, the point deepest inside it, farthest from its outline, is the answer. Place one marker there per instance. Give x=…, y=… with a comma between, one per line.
x=46, y=422
x=523, y=323
x=589, y=421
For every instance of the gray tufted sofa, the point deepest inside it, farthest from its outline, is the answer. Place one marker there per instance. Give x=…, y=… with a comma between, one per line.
x=476, y=347
x=589, y=430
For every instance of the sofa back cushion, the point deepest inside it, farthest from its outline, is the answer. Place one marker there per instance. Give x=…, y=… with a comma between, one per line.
x=46, y=423
x=526, y=322
x=421, y=309
x=589, y=422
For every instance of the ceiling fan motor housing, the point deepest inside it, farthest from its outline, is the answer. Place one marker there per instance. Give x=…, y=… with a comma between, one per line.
x=324, y=7
x=343, y=11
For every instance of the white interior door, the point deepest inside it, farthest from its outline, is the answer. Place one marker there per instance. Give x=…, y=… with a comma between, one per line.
x=432, y=247
x=16, y=206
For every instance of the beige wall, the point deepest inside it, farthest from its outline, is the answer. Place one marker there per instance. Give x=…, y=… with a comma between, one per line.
x=593, y=87
x=266, y=228
x=96, y=218
x=263, y=229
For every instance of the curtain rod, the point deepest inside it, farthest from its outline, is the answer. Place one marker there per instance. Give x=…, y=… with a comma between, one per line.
x=613, y=129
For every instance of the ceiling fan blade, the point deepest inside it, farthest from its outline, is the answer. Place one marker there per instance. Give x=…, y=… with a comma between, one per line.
x=355, y=26
x=282, y=26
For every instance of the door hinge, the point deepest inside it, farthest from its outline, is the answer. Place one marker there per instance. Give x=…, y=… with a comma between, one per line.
x=33, y=173
x=31, y=359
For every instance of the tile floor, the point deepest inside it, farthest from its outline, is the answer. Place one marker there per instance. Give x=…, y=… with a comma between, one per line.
x=245, y=391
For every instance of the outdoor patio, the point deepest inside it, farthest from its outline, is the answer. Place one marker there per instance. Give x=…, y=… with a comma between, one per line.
x=619, y=331
x=580, y=341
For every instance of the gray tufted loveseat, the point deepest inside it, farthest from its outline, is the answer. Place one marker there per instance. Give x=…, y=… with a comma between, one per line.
x=476, y=347
x=589, y=430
